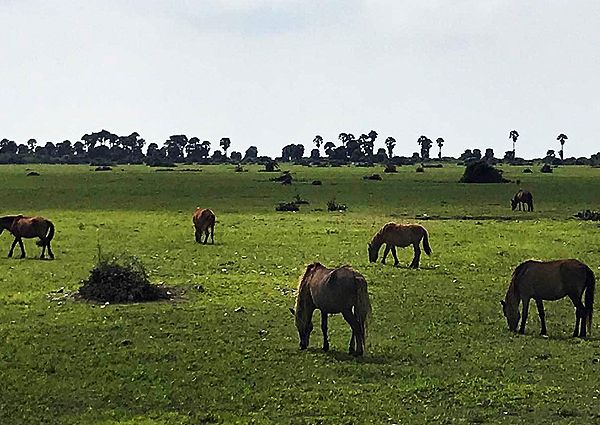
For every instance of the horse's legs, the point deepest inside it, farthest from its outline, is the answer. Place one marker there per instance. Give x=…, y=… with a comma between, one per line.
x=50, y=253
x=212, y=234
x=205, y=236
x=385, y=253
x=22, y=248
x=417, y=257
x=580, y=317
x=12, y=248
x=355, y=348
x=324, y=329
x=524, y=318
x=540, y=309
x=42, y=255
x=396, y=262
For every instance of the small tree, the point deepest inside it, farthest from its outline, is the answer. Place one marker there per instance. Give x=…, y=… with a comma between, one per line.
x=318, y=141
x=425, y=144
x=225, y=143
x=440, y=143
x=514, y=135
x=390, y=144
x=562, y=138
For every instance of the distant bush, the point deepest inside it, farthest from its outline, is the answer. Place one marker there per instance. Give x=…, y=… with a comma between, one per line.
x=546, y=169
x=332, y=205
x=390, y=168
x=285, y=178
x=299, y=201
x=103, y=168
x=420, y=170
x=527, y=171
x=588, y=215
x=482, y=172
x=287, y=206
x=120, y=280
x=372, y=177
x=317, y=183
x=33, y=173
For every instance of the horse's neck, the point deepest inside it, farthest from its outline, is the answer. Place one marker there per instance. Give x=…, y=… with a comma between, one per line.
x=512, y=294
x=377, y=241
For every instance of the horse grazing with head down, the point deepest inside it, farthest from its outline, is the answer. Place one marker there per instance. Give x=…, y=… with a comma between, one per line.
x=28, y=227
x=401, y=235
x=550, y=280
x=522, y=198
x=204, y=222
x=332, y=291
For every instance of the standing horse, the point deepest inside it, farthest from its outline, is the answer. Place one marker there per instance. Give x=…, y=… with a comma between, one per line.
x=550, y=280
x=204, y=222
x=28, y=227
x=522, y=198
x=332, y=291
x=401, y=235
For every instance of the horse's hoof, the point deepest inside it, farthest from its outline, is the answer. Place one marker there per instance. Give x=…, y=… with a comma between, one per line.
x=545, y=336
x=326, y=348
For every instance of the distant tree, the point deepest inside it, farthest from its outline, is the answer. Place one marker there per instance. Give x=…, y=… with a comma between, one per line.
x=251, y=153
x=562, y=138
x=225, y=143
x=468, y=153
x=509, y=156
x=31, y=143
x=514, y=135
x=329, y=147
x=205, y=149
x=425, y=144
x=318, y=141
x=64, y=148
x=217, y=156
x=489, y=154
x=315, y=154
x=343, y=137
x=79, y=148
x=175, y=146
x=236, y=156
x=551, y=153
x=381, y=156
x=477, y=154
x=440, y=143
x=390, y=144
x=23, y=150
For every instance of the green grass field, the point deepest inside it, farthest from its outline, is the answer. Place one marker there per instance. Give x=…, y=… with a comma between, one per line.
x=439, y=349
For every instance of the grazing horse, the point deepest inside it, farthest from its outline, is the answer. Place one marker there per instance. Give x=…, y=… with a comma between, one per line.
x=28, y=227
x=204, y=222
x=332, y=291
x=401, y=235
x=550, y=280
x=522, y=198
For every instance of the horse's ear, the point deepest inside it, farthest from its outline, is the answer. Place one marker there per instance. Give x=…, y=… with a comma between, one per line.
x=292, y=311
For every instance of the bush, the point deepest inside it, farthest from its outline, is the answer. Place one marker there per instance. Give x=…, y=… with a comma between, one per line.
x=33, y=173
x=317, y=183
x=299, y=201
x=390, y=168
x=420, y=169
x=372, y=177
x=482, y=172
x=588, y=215
x=285, y=178
x=332, y=205
x=120, y=280
x=527, y=171
x=546, y=168
x=103, y=168
x=287, y=206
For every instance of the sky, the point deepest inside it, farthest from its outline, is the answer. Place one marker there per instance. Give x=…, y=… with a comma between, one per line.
x=273, y=72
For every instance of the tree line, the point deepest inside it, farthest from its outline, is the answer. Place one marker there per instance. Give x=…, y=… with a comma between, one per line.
x=107, y=147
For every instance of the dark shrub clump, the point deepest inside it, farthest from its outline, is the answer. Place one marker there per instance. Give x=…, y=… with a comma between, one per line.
x=120, y=280
x=287, y=206
x=317, y=183
x=390, y=168
x=285, y=178
x=546, y=168
x=103, y=168
x=372, y=177
x=527, y=171
x=482, y=172
x=33, y=173
x=332, y=205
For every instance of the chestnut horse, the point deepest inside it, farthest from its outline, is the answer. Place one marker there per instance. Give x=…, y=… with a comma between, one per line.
x=522, y=198
x=332, y=291
x=28, y=227
x=401, y=235
x=550, y=280
x=204, y=222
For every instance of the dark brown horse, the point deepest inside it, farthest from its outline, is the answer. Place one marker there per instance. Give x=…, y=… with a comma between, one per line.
x=332, y=291
x=204, y=222
x=550, y=280
x=401, y=235
x=522, y=198
x=28, y=227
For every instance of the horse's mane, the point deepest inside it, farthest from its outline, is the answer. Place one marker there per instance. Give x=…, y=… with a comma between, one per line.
x=377, y=237
x=516, y=275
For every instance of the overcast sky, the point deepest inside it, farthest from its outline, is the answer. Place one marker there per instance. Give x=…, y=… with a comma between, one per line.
x=272, y=72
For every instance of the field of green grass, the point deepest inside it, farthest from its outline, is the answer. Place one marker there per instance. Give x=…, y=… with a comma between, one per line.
x=439, y=350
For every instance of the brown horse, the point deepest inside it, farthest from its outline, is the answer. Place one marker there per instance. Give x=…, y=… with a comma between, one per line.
x=28, y=227
x=204, y=222
x=522, y=198
x=332, y=291
x=550, y=280
x=401, y=235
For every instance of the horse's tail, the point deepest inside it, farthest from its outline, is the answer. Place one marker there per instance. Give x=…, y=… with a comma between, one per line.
x=362, y=309
x=49, y=235
x=590, y=286
x=426, y=246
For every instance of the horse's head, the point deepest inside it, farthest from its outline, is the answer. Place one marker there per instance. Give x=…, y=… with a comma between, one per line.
x=513, y=203
x=304, y=326
x=373, y=253
x=511, y=312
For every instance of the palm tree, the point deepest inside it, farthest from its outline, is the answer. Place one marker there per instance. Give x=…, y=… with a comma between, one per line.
x=425, y=143
x=440, y=143
x=318, y=140
x=390, y=144
x=329, y=147
x=225, y=144
x=561, y=138
x=514, y=135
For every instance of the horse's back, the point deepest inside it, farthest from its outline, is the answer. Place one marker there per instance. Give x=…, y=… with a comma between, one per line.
x=402, y=234
x=203, y=218
x=551, y=280
x=335, y=290
x=30, y=227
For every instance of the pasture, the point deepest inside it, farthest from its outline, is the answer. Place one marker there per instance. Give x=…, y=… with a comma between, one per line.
x=438, y=350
